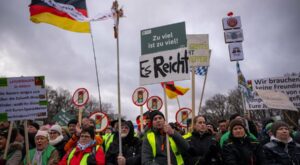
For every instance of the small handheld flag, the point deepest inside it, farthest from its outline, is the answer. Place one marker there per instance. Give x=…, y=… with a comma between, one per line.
x=173, y=90
x=201, y=70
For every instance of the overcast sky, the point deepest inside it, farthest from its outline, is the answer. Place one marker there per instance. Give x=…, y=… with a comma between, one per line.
x=271, y=46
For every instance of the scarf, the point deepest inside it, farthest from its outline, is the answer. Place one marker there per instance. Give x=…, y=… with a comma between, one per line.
x=37, y=158
x=56, y=141
x=84, y=146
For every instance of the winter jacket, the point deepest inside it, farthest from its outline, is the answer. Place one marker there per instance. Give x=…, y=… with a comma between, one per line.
x=74, y=156
x=242, y=151
x=50, y=156
x=161, y=151
x=203, y=149
x=131, y=148
x=74, y=139
x=279, y=153
x=14, y=155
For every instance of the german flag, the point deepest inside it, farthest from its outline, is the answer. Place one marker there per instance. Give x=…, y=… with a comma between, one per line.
x=42, y=12
x=173, y=90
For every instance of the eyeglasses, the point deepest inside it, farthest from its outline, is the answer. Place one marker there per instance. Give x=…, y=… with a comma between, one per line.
x=51, y=133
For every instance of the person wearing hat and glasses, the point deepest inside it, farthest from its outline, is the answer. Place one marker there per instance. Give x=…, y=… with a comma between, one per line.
x=154, y=149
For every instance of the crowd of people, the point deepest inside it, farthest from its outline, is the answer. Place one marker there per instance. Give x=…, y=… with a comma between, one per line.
x=236, y=141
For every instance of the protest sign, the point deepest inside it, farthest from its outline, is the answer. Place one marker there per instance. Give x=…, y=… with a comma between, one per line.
x=276, y=100
x=198, y=50
x=182, y=115
x=290, y=85
x=23, y=98
x=63, y=117
x=101, y=121
x=164, y=55
x=140, y=96
x=154, y=103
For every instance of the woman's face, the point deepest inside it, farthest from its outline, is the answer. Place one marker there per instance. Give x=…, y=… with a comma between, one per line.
x=53, y=135
x=2, y=143
x=85, y=138
x=283, y=133
x=238, y=131
x=200, y=125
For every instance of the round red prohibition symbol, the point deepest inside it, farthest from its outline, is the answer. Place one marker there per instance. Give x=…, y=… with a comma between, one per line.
x=182, y=115
x=154, y=103
x=140, y=96
x=80, y=97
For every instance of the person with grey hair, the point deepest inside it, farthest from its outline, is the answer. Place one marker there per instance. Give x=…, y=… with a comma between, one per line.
x=43, y=153
x=281, y=149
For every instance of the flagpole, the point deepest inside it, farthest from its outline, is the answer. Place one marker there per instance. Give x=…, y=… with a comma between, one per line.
x=202, y=93
x=178, y=102
x=166, y=116
x=193, y=95
x=116, y=33
x=96, y=66
x=8, y=140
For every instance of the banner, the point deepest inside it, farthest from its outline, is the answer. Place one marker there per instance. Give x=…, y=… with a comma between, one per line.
x=23, y=98
x=290, y=85
x=276, y=100
x=198, y=49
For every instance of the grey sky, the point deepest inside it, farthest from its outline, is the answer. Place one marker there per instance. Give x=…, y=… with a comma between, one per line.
x=271, y=45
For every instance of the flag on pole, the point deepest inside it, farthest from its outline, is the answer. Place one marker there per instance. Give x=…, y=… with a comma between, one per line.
x=201, y=70
x=68, y=15
x=173, y=90
x=242, y=83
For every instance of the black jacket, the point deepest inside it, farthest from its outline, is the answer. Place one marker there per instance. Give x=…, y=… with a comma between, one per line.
x=203, y=149
x=131, y=149
x=242, y=151
x=279, y=153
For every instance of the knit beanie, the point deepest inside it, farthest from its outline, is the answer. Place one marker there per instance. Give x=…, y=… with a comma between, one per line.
x=277, y=125
x=236, y=122
x=42, y=133
x=154, y=113
x=56, y=128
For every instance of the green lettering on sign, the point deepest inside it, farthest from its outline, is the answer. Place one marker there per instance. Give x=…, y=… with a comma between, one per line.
x=163, y=38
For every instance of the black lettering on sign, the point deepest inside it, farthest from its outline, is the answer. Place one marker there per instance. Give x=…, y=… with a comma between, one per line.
x=144, y=71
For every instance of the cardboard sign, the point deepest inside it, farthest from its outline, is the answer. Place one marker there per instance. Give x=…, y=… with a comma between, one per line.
x=198, y=49
x=154, y=103
x=182, y=115
x=290, y=85
x=101, y=121
x=232, y=23
x=140, y=96
x=163, y=38
x=23, y=98
x=236, y=51
x=80, y=97
x=167, y=66
x=276, y=100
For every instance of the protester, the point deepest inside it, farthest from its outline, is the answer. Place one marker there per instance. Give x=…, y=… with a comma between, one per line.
x=203, y=148
x=43, y=154
x=56, y=139
x=251, y=131
x=32, y=128
x=154, y=149
x=267, y=134
x=222, y=129
x=281, y=149
x=131, y=147
x=240, y=149
x=72, y=126
x=14, y=154
x=86, y=150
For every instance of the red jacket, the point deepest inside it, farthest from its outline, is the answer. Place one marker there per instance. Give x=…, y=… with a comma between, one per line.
x=99, y=155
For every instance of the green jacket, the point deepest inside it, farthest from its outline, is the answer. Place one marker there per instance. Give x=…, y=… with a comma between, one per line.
x=225, y=137
x=45, y=154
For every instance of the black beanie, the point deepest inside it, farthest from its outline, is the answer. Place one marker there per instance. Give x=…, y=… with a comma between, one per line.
x=154, y=113
x=72, y=121
x=233, y=116
x=235, y=122
x=277, y=125
x=35, y=125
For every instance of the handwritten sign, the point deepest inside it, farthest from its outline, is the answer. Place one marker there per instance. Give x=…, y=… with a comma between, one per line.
x=23, y=98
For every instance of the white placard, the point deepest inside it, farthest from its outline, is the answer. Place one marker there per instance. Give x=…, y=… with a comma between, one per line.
x=290, y=85
x=233, y=35
x=232, y=23
x=23, y=98
x=171, y=65
x=276, y=100
x=236, y=51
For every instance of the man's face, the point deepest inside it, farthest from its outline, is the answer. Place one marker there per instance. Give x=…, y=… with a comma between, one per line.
x=124, y=130
x=41, y=142
x=200, y=125
x=72, y=128
x=222, y=127
x=158, y=122
x=85, y=123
